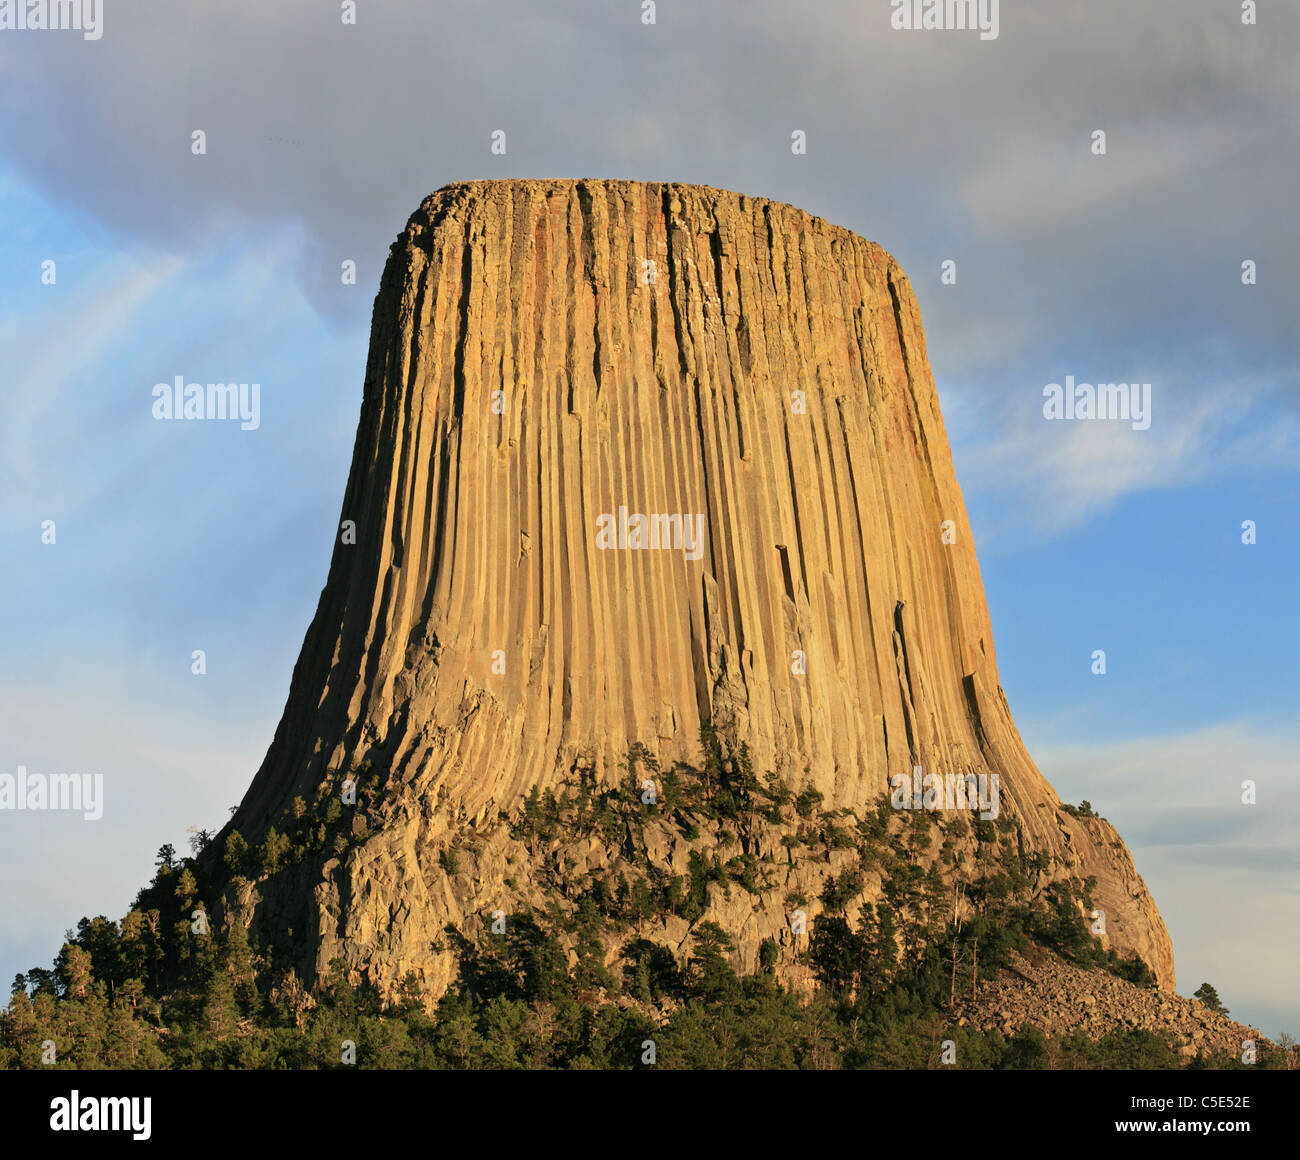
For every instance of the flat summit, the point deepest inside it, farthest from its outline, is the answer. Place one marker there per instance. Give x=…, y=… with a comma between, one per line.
x=637, y=464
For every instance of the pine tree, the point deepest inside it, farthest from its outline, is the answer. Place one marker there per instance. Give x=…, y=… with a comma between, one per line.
x=273, y=852
x=220, y=1015
x=20, y=1040
x=241, y=965
x=1210, y=997
x=710, y=975
x=235, y=855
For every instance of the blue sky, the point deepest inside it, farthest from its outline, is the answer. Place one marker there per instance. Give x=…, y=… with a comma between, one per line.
x=175, y=537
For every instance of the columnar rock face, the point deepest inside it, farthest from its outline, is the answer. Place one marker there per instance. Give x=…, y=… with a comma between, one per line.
x=632, y=458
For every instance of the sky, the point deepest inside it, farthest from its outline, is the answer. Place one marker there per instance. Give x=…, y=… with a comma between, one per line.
x=323, y=137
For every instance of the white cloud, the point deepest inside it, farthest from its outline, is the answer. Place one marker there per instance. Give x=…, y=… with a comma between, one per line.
x=1066, y=472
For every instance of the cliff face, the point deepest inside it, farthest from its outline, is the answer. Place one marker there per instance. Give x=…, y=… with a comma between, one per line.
x=632, y=458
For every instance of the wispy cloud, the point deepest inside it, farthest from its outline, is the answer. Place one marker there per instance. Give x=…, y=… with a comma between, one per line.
x=1062, y=473
x=59, y=348
x=163, y=772
x=1225, y=875
x=1032, y=188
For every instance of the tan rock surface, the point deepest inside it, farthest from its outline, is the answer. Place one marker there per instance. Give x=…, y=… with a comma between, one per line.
x=1060, y=1000
x=664, y=389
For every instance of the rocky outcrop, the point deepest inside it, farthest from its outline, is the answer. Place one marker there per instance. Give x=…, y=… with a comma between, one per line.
x=1061, y=999
x=633, y=458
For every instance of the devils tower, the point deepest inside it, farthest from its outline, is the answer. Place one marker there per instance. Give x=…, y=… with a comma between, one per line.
x=633, y=460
